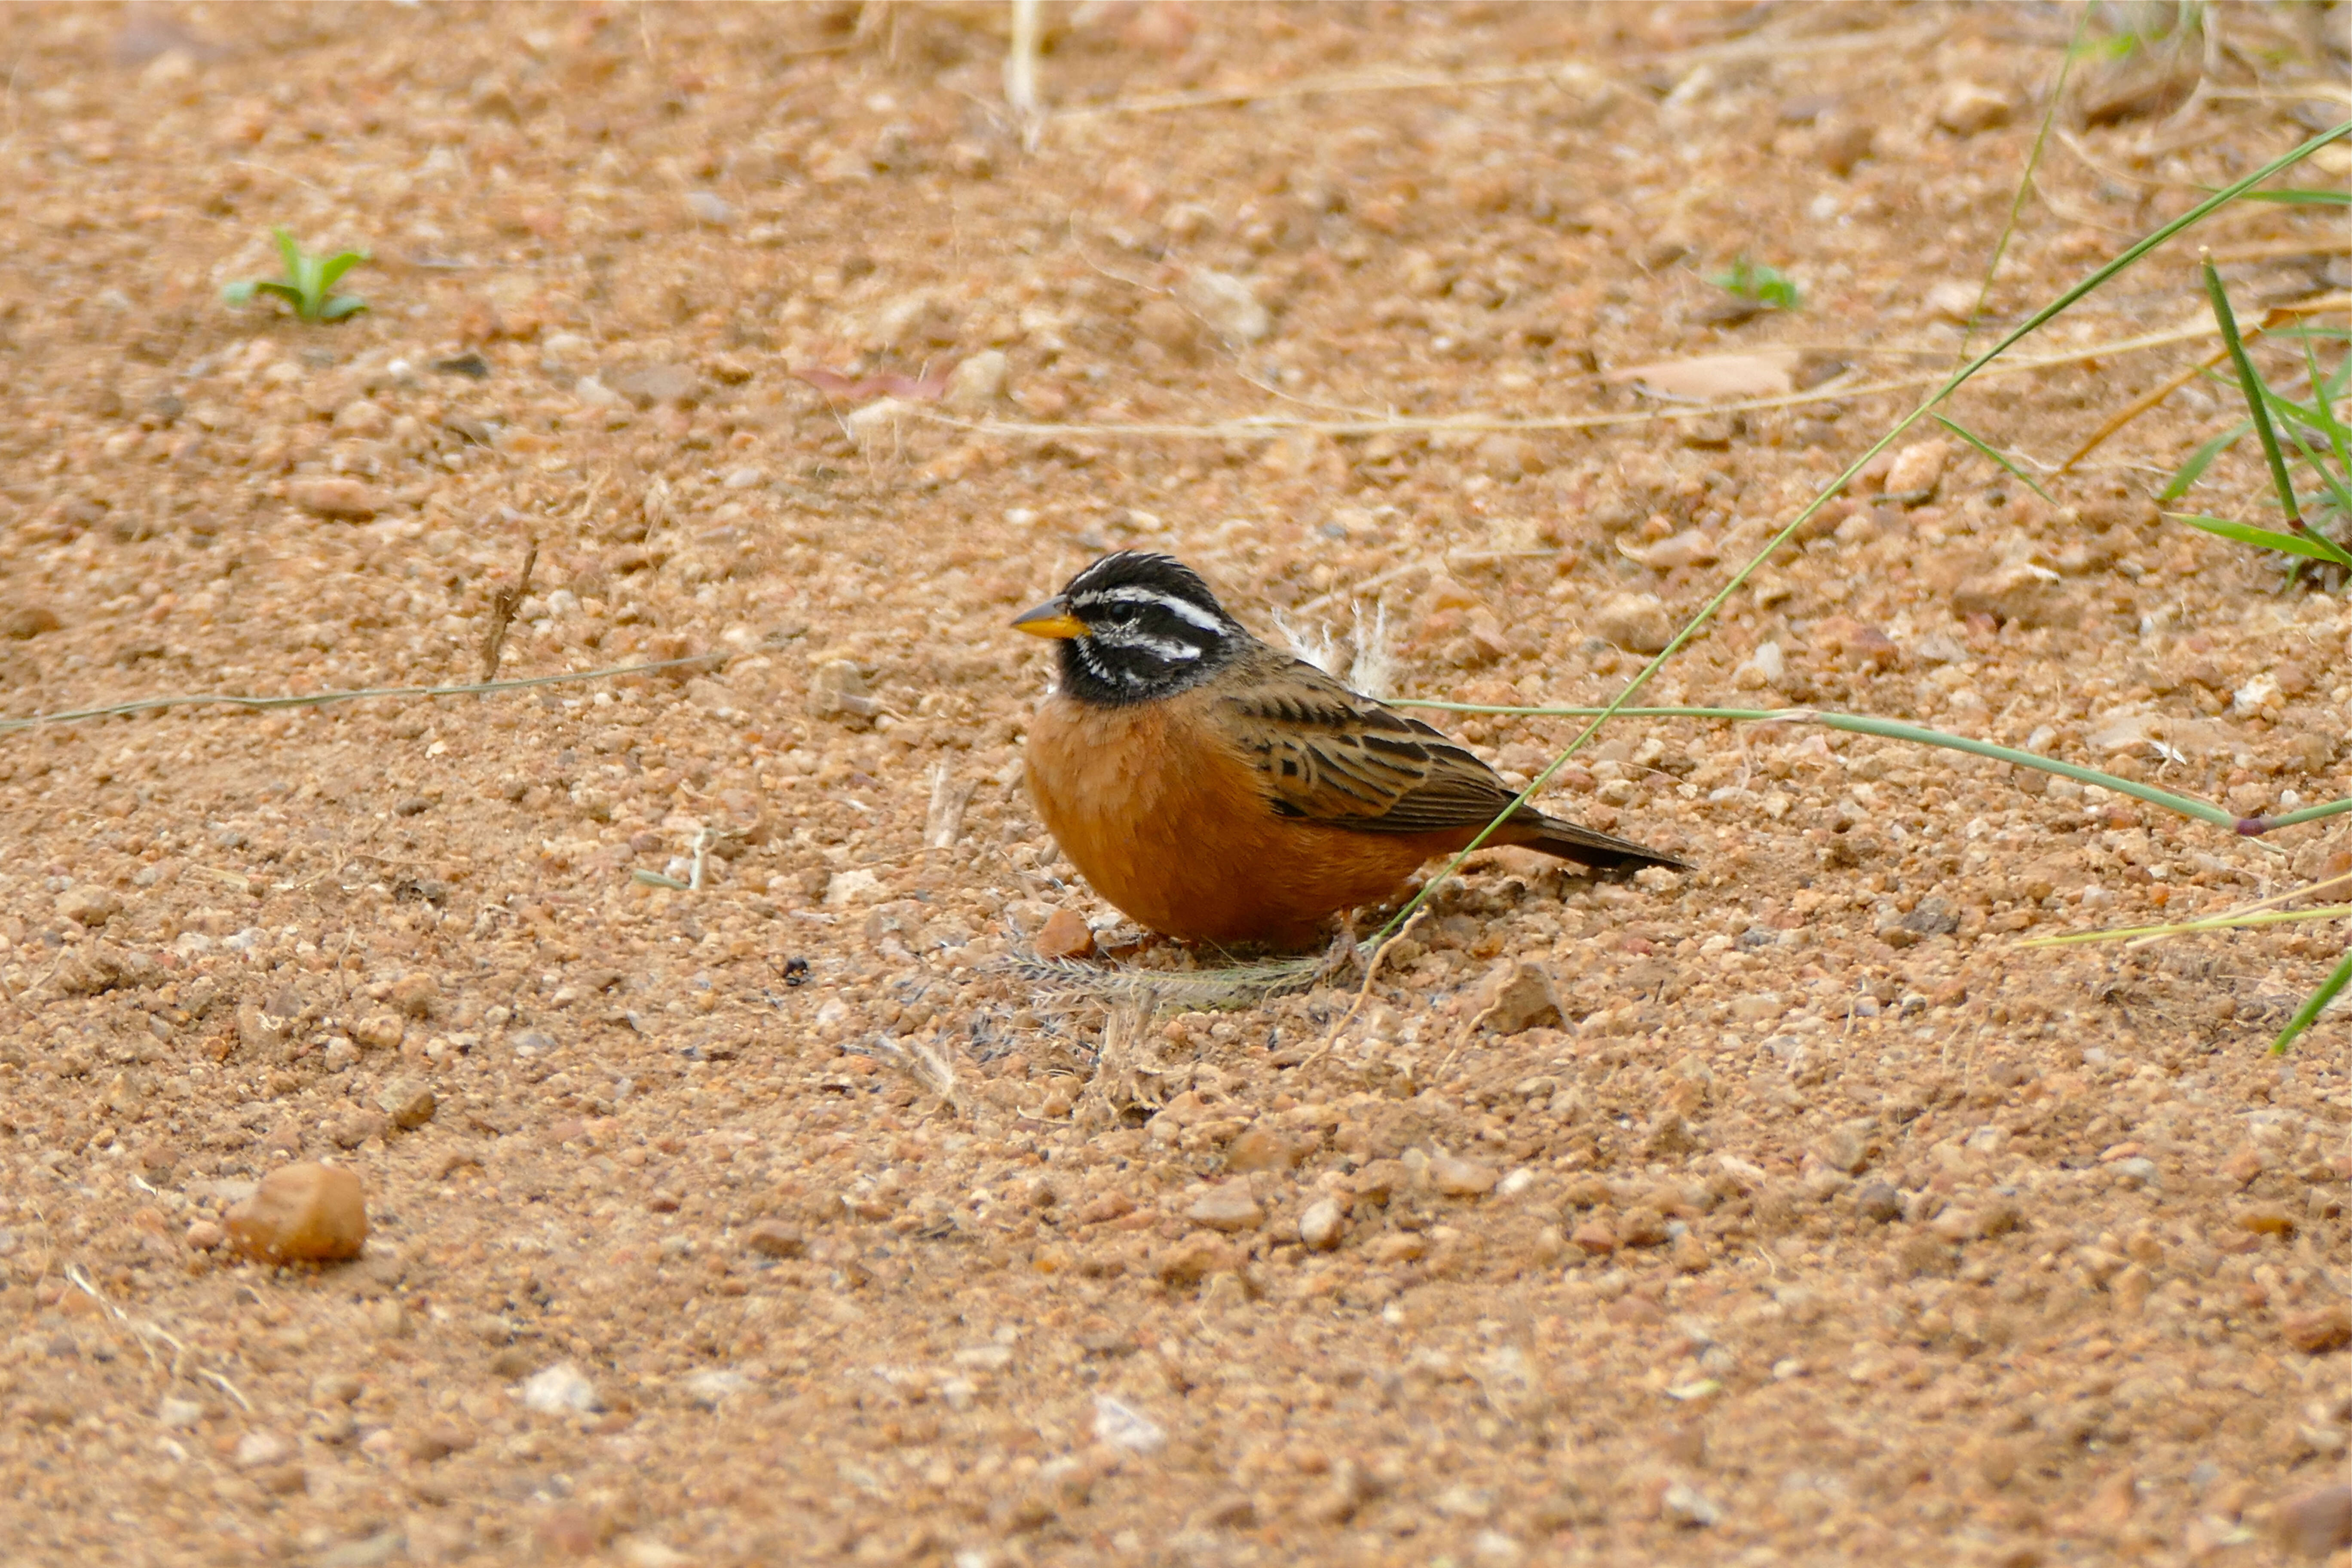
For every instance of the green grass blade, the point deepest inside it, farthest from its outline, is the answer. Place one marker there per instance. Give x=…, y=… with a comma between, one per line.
x=239, y=293
x=289, y=249
x=314, y=292
x=2304, y=198
x=2252, y=386
x=331, y=270
x=2250, y=921
x=1884, y=728
x=1956, y=428
x=2189, y=472
x=2308, y=814
x=286, y=291
x=2313, y=459
x=2325, y=391
x=2025, y=181
x=2314, y=1004
x=2311, y=546
x=341, y=306
x=2286, y=409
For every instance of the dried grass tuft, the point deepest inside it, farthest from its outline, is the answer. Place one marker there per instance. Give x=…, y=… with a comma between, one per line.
x=926, y=1062
x=1126, y=1074
x=1068, y=982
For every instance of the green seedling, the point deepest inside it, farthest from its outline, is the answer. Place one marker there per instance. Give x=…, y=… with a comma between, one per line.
x=309, y=284
x=1767, y=285
x=2321, y=449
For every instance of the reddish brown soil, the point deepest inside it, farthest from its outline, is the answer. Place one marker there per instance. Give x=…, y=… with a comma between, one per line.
x=1826, y=1224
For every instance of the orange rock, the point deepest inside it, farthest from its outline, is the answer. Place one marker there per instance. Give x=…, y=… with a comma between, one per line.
x=1065, y=935
x=2318, y=1333
x=1263, y=1148
x=303, y=1212
x=1192, y=1259
x=1459, y=1178
x=337, y=497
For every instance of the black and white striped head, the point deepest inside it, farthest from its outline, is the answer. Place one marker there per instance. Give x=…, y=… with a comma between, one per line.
x=1134, y=626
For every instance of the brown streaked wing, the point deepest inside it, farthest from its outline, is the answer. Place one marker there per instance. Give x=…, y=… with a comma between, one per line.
x=1328, y=754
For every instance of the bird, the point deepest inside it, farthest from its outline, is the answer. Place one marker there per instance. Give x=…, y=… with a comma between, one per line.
x=1220, y=790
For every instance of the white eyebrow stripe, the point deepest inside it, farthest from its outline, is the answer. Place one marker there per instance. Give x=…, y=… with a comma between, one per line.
x=1132, y=594
x=1128, y=636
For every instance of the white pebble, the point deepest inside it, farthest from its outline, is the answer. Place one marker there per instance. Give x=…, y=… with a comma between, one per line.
x=560, y=1390
x=1123, y=1427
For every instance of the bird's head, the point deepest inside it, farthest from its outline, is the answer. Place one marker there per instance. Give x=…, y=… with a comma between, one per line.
x=1134, y=626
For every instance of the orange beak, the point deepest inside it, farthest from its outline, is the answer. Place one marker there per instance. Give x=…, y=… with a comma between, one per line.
x=1051, y=619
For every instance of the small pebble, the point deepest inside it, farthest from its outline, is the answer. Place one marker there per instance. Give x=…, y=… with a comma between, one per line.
x=1968, y=108
x=1322, y=1225
x=1636, y=621
x=2319, y=1331
x=2266, y=1219
x=1953, y=301
x=1517, y=997
x=1227, y=305
x=1228, y=1207
x=340, y=499
x=1686, y=1505
x=560, y=1390
x=303, y=1211
x=260, y=1447
x=1879, y=1202
x=1263, y=1148
x=1842, y=148
x=713, y=1386
x=1506, y=456
x=1065, y=934
x=1191, y=1260
x=22, y=621
x=407, y=1103
x=773, y=1239
x=1917, y=467
x=1596, y=1236
x=1642, y=1227
x=1123, y=1426
x=363, y=417
x=204, y=1235
x=649, y=384
x=2317, y=1522
x=380, y=1032
x=978, y=382
x=1459, y=1178
x=335, y=1388
x=1842, y=1149
x=88, y=906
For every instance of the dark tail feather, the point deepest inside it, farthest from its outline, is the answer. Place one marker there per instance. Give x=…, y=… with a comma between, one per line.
x=1599, y=850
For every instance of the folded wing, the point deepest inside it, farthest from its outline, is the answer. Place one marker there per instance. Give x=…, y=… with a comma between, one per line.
x=1329, y=755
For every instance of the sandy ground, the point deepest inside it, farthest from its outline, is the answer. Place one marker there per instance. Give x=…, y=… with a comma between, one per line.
x=790, y=1217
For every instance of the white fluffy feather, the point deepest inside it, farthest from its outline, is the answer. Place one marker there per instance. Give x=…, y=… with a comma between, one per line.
x=1365, y=661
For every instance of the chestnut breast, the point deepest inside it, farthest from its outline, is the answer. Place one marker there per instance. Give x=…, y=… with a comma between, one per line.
x=1159, y=809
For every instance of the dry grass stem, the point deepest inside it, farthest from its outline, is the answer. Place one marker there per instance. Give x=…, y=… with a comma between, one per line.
x=2275, y=901
x=943, y=818
x=1371, y=971
x=503, y=605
